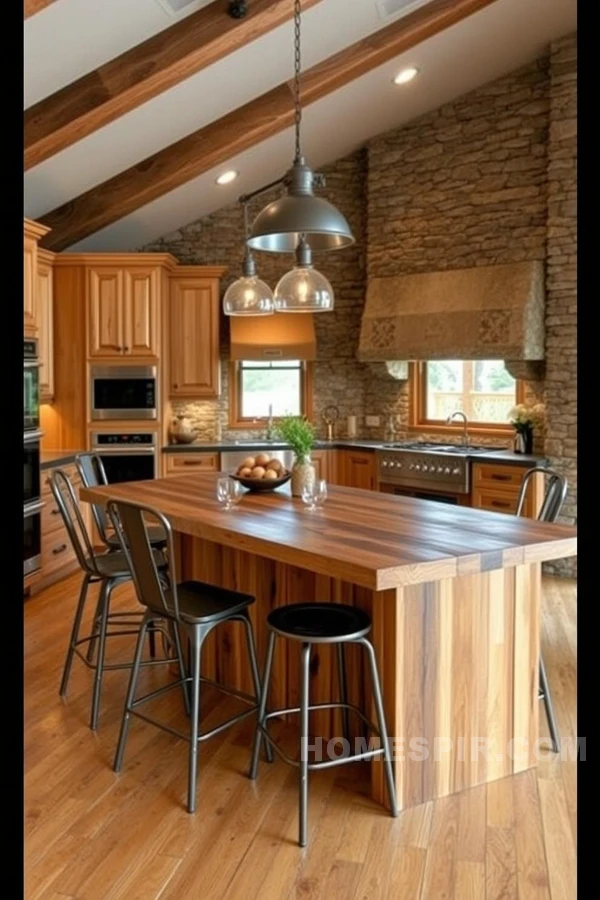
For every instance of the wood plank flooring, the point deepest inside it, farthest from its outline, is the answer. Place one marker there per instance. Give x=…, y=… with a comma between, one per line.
x=93, y=835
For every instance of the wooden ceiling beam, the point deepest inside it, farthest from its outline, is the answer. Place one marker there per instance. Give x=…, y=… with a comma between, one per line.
x=165, y=59
x=243, y=128
x=31, y=7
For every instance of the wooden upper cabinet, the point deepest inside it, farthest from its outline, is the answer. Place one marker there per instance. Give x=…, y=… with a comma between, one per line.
x=140, y=316
x=359, y=469
x=106, y=327
x=194, y=337
x=45, y=324
x=32, y=233
x=123, y=311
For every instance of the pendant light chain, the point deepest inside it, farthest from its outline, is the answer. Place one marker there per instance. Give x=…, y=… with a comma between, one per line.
x=297, y=67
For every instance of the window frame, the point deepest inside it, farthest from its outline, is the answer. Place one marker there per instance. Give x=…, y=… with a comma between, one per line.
x=236, y=420
x=418, y=420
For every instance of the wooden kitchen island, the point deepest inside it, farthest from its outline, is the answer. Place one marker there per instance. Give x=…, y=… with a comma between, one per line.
x=454, y=595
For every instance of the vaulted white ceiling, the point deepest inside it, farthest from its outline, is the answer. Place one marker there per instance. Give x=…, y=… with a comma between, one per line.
x=72, y=37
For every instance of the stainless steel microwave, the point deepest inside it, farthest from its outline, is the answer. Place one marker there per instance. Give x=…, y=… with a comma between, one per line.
x=123, y=392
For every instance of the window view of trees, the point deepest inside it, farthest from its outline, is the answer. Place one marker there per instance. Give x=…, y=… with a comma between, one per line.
x=276, y=384
x=482, y=388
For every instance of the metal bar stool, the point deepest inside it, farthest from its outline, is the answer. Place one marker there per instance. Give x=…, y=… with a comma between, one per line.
x=554, y=497
x=93, y=474
x=109, y=570
x=194, y=606
x=321, y=623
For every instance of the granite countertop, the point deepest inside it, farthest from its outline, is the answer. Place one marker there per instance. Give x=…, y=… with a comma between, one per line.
x=507, y=456
x=50, y=459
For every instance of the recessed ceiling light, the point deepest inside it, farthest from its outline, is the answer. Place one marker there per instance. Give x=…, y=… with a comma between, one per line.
x=227, y=177
x=406, y=75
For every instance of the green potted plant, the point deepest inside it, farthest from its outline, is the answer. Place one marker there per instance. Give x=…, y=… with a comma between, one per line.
x=299, y=433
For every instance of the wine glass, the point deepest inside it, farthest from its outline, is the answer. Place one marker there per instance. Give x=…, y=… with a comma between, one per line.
x=314, y=494
x=229, y=492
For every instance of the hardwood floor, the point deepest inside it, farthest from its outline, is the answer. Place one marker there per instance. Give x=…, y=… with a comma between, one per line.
x=94, y=835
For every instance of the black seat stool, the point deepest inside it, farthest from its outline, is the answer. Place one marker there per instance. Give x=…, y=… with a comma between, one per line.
x=321, y=623
x=108, y=570
x=195, y=607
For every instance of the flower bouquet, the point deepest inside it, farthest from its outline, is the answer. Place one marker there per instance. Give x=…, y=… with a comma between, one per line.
x=524, y=418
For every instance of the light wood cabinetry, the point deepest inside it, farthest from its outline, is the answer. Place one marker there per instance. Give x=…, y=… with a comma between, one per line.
x=58, y=556
x=180, y=463
x=45, y=323
x=496, y=487
x=357, y=469
x=321, y=460
x=123, y=311
x=195, y=368
x=32, y=233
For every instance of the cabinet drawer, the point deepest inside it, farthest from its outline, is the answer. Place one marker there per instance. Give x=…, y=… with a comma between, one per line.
x=56, y=552
x=178, y=463
x=52, y=520
x=496, y=501
x=71, y=473
x=498, y=476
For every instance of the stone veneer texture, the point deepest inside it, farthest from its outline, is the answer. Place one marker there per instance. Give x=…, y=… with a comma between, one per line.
x=489, y=178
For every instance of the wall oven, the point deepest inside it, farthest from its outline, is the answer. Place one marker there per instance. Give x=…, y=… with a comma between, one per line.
x=123, y=392
x=127, y=457
x=31, y=386
x=32, y=503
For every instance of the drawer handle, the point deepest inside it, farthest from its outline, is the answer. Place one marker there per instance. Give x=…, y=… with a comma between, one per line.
x=60, y=549
x=503, y=504
x=175, y=386
x=55, y=512
x=496, y=477
x=192, y=462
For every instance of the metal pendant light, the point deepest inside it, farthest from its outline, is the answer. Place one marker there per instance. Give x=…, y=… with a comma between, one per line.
x=249, y=295
x=299, y=215
x=303, y=289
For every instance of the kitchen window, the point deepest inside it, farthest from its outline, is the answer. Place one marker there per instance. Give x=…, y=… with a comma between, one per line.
x=483, y=389
x=284, y=385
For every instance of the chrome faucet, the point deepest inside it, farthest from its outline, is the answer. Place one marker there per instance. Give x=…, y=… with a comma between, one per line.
x=452, y=417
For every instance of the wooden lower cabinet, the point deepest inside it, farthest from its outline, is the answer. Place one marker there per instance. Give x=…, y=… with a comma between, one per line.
x=496, y=487
x=58, y=556
x=180, y=463
x=357, y=469
x=322, y=461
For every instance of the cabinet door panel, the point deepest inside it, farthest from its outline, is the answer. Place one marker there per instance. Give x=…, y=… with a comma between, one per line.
x=106, y=337
x=141, y=312
x=194, y=338
x=29, y=287
x=360, y=470
x=45, y=320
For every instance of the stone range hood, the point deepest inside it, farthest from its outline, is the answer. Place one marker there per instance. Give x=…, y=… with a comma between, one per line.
x=485, y=312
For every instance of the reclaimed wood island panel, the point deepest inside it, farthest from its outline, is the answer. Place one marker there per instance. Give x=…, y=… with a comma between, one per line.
x=454, y=595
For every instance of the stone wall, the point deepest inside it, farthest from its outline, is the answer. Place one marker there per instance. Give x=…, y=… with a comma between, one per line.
x=561, y=286
x=486, y=179
x=218, y=240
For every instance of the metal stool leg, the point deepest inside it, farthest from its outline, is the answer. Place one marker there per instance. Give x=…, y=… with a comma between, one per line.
x=263, y=705
x=105, y=592
x=387, y=755
x=152, y=642
x=549, y=707
x=74, y=635
x=304, y=702
x=182, y=670
x=255, y=675
x=95, y=629
x=341, y=664
x=194, y=714
x=133, y=677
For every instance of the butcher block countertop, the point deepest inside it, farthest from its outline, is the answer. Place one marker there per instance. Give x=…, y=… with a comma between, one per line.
x=379, y=541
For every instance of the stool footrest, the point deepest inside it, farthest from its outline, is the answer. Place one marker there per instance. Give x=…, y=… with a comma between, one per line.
x=328, y=763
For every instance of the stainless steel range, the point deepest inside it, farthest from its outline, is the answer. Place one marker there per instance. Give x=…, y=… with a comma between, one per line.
x=427, y=470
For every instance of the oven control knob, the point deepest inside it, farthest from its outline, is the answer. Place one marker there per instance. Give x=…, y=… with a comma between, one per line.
x=411, y=466
x=446, y=470
x=440, y=469
x=399, y=465
x=417, y=467
x=456, y=471
x=425, y=467
x=384, y=463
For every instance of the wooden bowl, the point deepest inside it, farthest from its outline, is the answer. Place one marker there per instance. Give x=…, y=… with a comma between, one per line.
x=262, y=484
